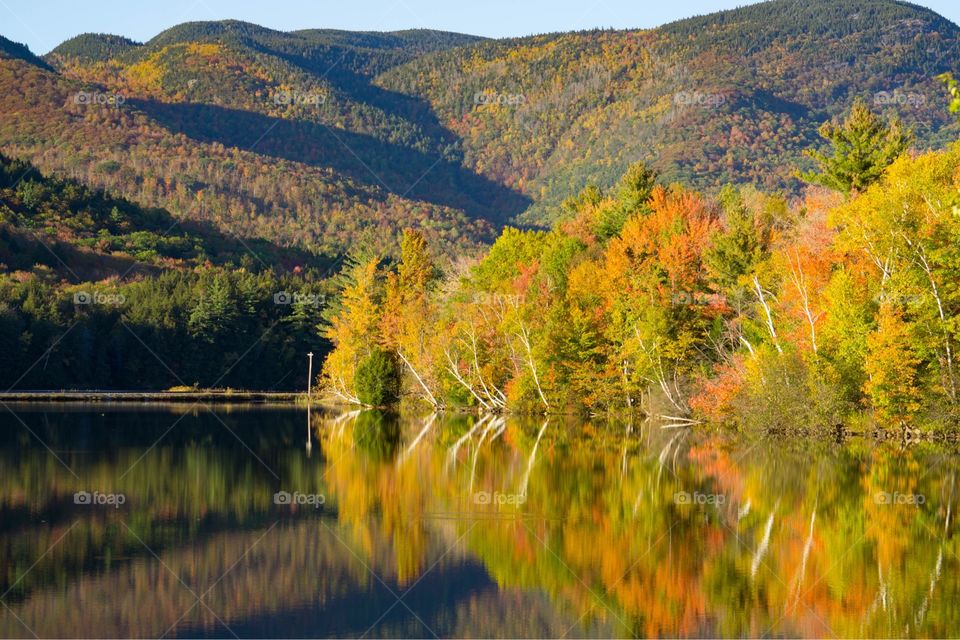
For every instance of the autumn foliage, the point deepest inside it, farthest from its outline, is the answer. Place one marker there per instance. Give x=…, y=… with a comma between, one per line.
x=743, y=307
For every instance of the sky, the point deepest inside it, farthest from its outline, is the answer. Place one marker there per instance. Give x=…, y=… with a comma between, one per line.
x=43, y=24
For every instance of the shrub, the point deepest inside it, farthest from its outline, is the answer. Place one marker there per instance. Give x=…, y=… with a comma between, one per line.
x=377, y=379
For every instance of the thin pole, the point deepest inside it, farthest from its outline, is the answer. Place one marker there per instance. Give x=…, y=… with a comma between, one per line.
x=309, y=376
x=309, y=400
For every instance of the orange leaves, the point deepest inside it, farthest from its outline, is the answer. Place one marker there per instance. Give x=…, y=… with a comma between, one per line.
x=668, y=242
x=807, y=262
x=716, y=396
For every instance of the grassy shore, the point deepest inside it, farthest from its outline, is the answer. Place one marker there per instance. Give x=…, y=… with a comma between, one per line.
x=199, y=395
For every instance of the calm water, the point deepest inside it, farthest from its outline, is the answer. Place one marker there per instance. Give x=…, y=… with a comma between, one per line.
x=419, y=527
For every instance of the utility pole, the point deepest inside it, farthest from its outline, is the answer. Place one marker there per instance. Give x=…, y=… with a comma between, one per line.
x=309, y=376
x=309, y=400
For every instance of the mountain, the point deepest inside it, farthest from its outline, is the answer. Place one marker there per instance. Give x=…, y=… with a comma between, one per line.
x=734, y=96
x=262, y=134
x=320, y=139
x=11, y=50
x=89, y=48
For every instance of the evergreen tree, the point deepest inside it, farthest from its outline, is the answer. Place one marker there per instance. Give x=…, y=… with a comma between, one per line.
x=633, y=194
x=863, y=146
x=741, y=246
x=214, y=311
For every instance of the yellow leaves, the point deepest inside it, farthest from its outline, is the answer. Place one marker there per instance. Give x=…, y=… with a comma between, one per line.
x=582, y=281
x=353, y=330
x=204, y=50
x=147, y=75
x=891, y=367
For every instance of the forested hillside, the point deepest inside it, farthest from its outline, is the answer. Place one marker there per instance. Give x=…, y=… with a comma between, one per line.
x=728, y=97
x=98, y=292
x=322, y=138
x=251, y=140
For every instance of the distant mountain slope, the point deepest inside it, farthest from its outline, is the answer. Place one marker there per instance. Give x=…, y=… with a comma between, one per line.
x=15, y=51
x=82, y=233
x=322, y=138
x=91, y=48
x=731, y=96
x=232, y=133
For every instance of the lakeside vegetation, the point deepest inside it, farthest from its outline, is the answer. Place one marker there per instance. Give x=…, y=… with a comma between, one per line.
x=744, y=308
x=97, y=292
x=793, y=307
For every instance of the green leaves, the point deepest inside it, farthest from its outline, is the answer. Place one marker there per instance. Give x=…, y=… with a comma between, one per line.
x=377, y=379
x=863, y=145
x=953, y=89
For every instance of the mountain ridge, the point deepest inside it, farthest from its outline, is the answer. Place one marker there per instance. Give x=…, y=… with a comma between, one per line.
x=457, y=134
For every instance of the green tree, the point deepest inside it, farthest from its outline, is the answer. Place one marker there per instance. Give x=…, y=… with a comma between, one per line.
x=863, y=145
x=214, y=312
x=636, y=186
x=740, y=246
x=377, y=379
x=633, y=195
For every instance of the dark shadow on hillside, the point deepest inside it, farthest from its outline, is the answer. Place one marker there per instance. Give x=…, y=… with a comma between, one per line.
x=348, y=72
x=22, y=250
x=447, y=588
x=365, y=159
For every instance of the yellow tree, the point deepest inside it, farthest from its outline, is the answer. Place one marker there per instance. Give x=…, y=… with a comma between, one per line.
x=406, y=325
x=891, y=368
x=352, y=329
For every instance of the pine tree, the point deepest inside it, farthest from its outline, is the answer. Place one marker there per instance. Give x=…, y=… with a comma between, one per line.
x=863, y=146
x=633, y=196
x=737, y=249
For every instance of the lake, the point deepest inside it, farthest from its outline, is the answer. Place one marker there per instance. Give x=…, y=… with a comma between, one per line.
x=221, y=521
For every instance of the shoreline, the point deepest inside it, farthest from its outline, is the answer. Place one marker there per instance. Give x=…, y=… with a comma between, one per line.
x=209, y=396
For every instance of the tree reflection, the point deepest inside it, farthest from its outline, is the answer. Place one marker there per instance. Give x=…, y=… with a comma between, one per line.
x=639, y=532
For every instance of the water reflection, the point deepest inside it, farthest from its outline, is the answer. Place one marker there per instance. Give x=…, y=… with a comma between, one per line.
x=453, y=525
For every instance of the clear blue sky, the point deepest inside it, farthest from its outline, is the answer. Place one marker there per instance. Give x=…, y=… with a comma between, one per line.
x=43, y=24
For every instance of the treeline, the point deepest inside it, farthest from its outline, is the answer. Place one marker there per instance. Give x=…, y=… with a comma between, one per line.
x=209, y=327
x=97, y=292
x=743, y=307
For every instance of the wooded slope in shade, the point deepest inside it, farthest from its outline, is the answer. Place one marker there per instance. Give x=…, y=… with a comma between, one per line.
x=105, y=294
